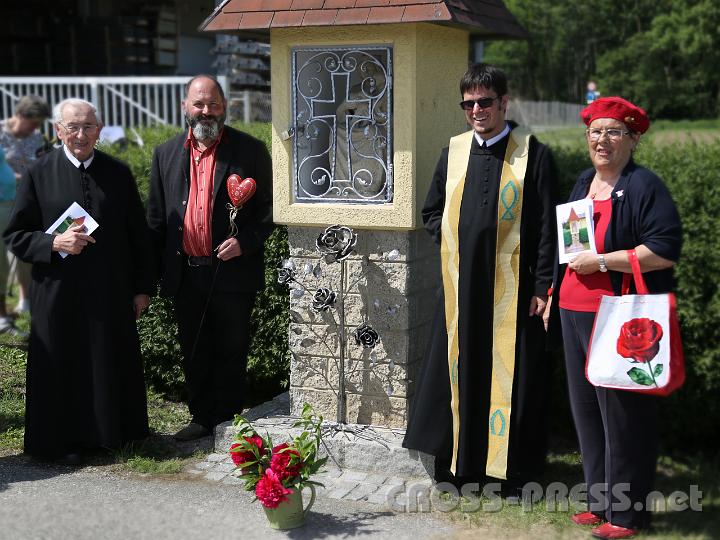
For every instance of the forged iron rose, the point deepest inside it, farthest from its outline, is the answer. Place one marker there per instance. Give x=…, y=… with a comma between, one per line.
x=270, y=491
x=639, y=339
x=337, y=241
x=244, y=452
x=282, y=455
x=285, y=275
x=323, y=299
x=366, y=336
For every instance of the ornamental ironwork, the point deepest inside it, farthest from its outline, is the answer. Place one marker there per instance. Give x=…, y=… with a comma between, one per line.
x=342, y=149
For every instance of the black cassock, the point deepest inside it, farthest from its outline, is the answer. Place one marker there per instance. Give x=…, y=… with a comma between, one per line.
x=85, y=385
x=430, y=425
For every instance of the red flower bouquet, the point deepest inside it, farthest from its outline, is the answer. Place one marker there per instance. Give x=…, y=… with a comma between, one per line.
x=273, y=472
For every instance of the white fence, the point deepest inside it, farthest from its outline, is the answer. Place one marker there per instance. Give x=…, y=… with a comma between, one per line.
x=141, y=101
x=122, y=101
x=541, y=115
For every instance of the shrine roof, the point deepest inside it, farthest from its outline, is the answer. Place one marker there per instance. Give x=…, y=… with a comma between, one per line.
x=486, y=18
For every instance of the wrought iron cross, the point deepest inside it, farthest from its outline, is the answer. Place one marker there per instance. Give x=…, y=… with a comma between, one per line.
x=337, y=105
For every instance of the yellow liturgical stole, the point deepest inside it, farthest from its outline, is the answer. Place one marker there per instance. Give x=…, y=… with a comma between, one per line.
x=507, y=267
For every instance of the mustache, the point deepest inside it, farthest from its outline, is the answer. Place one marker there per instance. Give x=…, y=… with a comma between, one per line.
x=205, y=118
x=206, y=126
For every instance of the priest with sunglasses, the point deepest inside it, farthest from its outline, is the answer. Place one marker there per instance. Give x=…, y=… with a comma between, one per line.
x=479, y=405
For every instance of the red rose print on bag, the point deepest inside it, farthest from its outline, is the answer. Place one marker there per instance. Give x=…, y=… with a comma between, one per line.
x=639, y=342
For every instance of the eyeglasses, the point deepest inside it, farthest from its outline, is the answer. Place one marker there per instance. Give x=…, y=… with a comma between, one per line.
x=483, y=103
x=74, y=129
x=613, y=134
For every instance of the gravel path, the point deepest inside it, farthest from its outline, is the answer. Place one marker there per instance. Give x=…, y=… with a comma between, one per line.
x=40, y=502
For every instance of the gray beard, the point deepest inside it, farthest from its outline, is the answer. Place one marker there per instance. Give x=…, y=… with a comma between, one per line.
x=207, y=130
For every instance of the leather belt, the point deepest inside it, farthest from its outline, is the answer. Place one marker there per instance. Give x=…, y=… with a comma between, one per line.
x=199, y=261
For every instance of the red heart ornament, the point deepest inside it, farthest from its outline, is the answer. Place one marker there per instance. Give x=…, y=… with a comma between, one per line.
x=240, y=191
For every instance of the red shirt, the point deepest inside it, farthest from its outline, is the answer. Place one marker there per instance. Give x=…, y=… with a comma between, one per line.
x=582, y=293
x=197, y=229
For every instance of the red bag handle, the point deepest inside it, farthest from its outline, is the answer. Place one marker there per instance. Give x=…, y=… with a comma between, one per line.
x=640, y=285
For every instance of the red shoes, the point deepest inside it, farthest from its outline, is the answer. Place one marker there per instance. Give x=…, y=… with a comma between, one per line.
x=608, y=530
x=586, y=518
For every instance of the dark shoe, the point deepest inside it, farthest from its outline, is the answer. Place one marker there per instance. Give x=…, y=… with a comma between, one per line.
x=71, y=460
x=587, y=518
x=608, y=530
x=191, y=432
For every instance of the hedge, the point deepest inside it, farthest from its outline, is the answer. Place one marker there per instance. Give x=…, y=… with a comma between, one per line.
x=690, y=171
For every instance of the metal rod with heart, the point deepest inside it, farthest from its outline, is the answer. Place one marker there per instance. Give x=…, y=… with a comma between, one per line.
x=240, y=191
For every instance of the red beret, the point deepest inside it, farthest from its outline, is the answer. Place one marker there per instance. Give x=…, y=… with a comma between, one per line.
x=634, y=117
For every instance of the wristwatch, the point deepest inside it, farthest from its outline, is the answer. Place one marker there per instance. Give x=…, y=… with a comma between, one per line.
x=601, y=262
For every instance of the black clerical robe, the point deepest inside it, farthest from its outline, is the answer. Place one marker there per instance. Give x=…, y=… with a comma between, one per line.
x=85, y=385
x=430, y=426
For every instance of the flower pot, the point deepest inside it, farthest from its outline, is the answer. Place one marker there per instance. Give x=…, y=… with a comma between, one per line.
x=290, y=514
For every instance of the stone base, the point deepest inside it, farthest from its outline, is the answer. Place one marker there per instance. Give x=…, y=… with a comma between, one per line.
x=362, y=448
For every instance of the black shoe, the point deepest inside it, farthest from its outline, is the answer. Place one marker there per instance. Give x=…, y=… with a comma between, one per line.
x=71, y=460
x=191, y=432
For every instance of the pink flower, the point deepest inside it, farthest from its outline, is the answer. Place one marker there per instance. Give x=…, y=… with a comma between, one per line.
x=270, y=491
x=280, y=462
x=246, y=453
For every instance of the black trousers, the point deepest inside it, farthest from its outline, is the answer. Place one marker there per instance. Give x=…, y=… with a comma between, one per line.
x=215, y=371
x=617, y=431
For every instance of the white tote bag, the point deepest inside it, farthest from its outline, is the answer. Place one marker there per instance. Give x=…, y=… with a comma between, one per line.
x=635, y=343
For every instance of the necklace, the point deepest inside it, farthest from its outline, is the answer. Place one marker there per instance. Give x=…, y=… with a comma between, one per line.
x=600, y=190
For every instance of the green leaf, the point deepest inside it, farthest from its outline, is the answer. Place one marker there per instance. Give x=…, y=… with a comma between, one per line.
x=658, y=370
x=640, y=377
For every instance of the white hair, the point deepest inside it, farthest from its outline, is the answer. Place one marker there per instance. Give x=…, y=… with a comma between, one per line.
x=58, y=109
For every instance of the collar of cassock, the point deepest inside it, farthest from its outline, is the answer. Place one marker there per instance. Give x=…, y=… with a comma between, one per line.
x=495, y=139
x=75, y=161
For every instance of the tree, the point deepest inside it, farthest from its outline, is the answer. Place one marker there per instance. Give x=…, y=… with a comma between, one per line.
x=671, y=69
x=565, y=41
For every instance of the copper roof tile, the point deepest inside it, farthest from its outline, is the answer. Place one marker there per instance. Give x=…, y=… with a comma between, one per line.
x=241, y=6
x=352, y=16
x=288, y=18
x=307, y=4
x=389, y=14
x=319, y=17
x=331, y=4
x=275, y=5
x=427, y=12
x=256, y=19
x=371, y=3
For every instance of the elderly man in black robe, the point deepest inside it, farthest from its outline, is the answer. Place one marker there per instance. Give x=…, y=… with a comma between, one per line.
x=85, y=385
x=478, y=407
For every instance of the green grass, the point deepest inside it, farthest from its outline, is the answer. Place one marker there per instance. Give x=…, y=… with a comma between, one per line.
x=12, y=392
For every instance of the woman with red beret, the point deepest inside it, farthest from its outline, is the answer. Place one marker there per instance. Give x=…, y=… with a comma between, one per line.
x=632, y=209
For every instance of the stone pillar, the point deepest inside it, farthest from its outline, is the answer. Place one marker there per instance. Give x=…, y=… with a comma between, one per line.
x=391, y=283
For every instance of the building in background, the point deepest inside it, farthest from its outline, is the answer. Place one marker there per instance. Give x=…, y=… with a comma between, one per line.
x=133, y=38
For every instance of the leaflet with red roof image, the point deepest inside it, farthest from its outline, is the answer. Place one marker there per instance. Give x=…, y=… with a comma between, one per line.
x=75, y=215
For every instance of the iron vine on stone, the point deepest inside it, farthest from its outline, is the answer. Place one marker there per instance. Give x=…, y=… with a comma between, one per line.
x=336, y=243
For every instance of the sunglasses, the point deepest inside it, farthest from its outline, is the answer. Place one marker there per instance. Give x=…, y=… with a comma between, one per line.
x=483, y=103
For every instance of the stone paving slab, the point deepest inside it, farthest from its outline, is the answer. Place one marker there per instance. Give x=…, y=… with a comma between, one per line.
x=356, y=454
x=349, y=485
